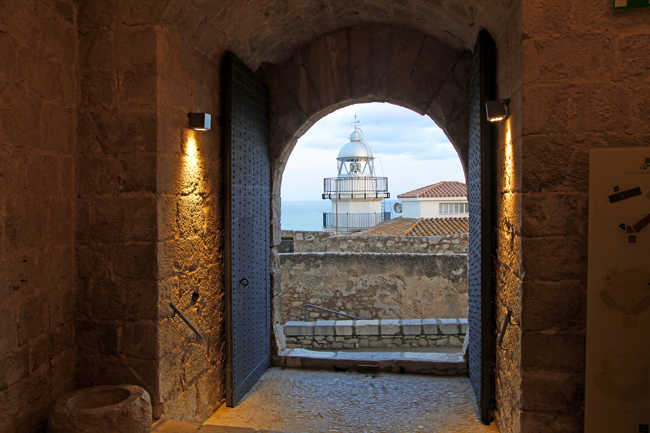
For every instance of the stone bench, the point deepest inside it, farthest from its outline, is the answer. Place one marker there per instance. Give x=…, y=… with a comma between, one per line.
x=384, y=333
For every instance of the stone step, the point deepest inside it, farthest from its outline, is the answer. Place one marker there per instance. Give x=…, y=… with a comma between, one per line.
x=432, y=363
x=171, y=426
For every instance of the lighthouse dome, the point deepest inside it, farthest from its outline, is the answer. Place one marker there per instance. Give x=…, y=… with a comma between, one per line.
x=356, y=148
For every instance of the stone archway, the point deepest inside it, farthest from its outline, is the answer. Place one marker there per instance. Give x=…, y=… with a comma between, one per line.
x=366, y=64
x=375, y=63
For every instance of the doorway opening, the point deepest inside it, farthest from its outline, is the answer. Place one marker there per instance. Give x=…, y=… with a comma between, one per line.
x=375, y=271
x=465, y=79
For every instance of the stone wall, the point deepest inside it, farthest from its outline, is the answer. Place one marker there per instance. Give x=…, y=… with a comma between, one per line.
x=509, y=270
x=307, y=242
x=190, y=233
x=375, y=334
x=585, y=85
x=38, y=282
x=374, y=285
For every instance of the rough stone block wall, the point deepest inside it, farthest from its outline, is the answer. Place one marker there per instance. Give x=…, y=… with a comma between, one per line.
x=585, y=85
x=307, y=242
x=510, y=273
x=190, y=233
x=38, y=283
x=116, y=206
x=373, y=285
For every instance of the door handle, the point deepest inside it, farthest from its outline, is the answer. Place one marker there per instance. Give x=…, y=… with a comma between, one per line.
x=243, y=282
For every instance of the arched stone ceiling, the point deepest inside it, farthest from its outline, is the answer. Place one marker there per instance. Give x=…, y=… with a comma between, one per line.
x=361, y=64
x=270, y=30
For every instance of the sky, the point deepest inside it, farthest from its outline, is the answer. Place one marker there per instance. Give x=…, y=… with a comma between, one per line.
x=409, y=148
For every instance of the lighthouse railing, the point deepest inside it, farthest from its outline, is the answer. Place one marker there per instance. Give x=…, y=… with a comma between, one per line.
x=355, y=187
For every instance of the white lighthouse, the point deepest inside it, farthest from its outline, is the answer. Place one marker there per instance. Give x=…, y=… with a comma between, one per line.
x=356, y=193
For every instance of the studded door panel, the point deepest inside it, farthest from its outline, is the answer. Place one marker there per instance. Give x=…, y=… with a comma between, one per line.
x=248, y=228
x=482, y=220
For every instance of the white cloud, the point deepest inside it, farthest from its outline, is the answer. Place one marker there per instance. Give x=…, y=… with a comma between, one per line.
x=410, y=149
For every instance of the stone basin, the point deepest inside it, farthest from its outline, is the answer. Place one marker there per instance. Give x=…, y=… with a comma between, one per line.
x=106, y=408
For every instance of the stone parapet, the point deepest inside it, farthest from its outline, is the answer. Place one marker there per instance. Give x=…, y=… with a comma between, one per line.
x=307, y=242
x=386, y=333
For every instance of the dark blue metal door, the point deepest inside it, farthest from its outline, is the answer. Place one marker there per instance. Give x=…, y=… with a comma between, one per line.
x=247, y=224
x=482, y=226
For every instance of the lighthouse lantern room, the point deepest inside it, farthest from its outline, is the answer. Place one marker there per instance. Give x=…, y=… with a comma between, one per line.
x=356, y=193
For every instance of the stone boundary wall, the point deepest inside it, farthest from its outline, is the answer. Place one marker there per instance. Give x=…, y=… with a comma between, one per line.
x=385, y=333
x=372, y=285
x=306, y=242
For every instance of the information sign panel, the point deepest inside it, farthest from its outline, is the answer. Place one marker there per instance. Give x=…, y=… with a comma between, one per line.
x=618, y=292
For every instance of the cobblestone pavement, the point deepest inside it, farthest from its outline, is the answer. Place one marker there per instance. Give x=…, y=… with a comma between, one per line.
x=319, y=401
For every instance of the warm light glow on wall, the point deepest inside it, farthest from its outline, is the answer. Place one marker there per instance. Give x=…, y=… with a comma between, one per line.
x=191, y=162
x=509, y=162
x=509, y=240
x=190, y=146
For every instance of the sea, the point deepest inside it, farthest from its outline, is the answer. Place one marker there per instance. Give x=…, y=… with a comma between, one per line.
x=308, y=215
x=304, y=215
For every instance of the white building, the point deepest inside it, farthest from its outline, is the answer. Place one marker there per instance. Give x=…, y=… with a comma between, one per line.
x=441, y=200
x=356, y=193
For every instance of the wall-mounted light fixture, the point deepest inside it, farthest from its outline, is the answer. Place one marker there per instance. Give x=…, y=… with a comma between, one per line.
x=199, y=121
x=498, y=110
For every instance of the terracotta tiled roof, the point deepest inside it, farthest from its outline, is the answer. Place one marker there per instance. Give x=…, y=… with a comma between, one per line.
x=394, y=227
x=439, y=226
x=440, y=189
x=420, y=227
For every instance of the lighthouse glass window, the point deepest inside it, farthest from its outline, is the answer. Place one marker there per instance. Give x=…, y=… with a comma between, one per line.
x=355, y=168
